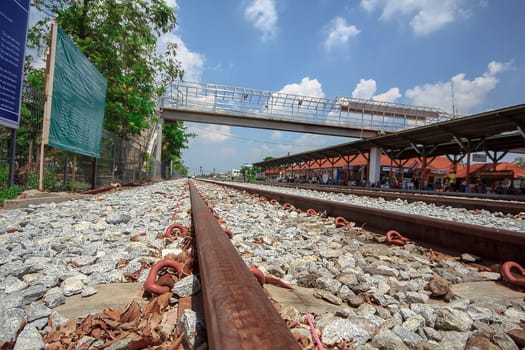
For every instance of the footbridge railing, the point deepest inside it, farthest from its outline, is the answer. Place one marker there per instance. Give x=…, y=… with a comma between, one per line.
x=341, y=112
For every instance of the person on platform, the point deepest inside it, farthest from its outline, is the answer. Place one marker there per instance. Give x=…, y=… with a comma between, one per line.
x=452, y=181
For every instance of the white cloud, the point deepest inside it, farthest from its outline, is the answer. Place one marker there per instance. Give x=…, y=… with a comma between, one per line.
x=370, y=5
x=172, y=3
x=306, y=87
x=365, y=89
x=425, y=16
x=263, y=15
x=468, y=94
x=303, y=143
x=260, y=152
x=338, y=32
x=498, y=67
x=389, y=96
x=210, y=133
x=277, y=135
x=192, y=62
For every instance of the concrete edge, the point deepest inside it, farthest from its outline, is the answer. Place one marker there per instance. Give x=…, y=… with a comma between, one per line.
x=24, y=203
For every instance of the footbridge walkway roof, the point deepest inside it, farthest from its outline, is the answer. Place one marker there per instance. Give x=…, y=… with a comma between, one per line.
x=501, y=130
x=247, y=107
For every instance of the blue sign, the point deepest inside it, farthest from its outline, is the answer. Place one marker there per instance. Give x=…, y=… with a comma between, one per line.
x=14, y=16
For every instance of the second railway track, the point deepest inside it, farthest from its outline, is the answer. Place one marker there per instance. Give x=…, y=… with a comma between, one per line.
x=492, y=243
x=506, y=204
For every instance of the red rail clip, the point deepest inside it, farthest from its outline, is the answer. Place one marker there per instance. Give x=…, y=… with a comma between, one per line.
x=341, y=222
x=514, y=278
x=151, y=282
x=179, y=228
x=396, y=238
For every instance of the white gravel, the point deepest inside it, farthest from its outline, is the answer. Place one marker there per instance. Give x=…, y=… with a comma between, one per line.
x=473, y=217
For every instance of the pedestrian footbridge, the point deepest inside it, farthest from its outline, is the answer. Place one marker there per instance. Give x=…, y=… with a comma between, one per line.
x=247, y=107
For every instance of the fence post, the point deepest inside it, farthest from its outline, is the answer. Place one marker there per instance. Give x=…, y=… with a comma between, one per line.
x=114, y=160
x=74, y=172
x=65, y=168
x=12, y=156
x=94, y=180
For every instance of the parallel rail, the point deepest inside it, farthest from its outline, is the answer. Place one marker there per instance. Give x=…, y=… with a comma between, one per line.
x=507, y=204
x=490, y=243
x=237, y=312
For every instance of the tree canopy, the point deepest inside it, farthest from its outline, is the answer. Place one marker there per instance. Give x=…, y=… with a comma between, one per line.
x=120, y=38
x=250, y=173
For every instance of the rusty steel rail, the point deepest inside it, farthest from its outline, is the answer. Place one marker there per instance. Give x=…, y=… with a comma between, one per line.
x=506, y=204
x=238, y=314
x=490, y=243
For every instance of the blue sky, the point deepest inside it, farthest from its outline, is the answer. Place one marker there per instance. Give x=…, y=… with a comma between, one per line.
x=403, y=51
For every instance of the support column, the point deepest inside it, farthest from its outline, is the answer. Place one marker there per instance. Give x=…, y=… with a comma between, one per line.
x=375, y=165
x=423, y=179
x=158, y=155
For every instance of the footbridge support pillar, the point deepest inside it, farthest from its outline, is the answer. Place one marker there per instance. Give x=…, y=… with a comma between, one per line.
x=374, y=161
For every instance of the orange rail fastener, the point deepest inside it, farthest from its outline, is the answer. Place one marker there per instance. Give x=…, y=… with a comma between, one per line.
x=151, y=282
x=262, y=279
x=287, y=206
x=341, y=222
x=396, y=238
x=514, y=278
x=182, y=231
x=311, y=212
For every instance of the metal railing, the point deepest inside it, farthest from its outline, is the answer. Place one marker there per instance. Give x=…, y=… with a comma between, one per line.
x=343, y=112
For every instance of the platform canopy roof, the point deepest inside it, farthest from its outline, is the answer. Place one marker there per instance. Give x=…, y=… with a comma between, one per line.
x=499, y=130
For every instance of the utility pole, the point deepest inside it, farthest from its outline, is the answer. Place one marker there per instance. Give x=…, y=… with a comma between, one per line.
x=453, y=100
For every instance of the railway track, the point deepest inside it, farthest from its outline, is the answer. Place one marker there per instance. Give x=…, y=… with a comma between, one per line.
x=219, y=260
x=506, y=204
x=494, y=244
x=239, y=314
x=490, y=243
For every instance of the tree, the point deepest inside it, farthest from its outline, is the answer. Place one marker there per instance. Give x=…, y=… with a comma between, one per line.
x=174, y=139
x=520, y=161
x=250, y=173
x=120, y=38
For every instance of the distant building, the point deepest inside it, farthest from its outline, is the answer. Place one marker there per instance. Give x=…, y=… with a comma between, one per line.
x=235, y=173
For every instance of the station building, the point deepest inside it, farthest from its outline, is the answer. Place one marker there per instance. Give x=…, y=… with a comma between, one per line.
x=440, y=174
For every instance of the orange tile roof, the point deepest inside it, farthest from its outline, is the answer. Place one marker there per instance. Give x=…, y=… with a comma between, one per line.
x=439, y=163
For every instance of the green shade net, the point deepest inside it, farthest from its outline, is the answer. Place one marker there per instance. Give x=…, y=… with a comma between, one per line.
x=79, y=95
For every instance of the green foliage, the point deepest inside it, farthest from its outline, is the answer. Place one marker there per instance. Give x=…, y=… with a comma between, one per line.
x=174, y=139
x=179, y=167
x=4, y=175
x=8, y=193
x=250, y=173
x=50, y=181
x=148, y=163
x=32, y=181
